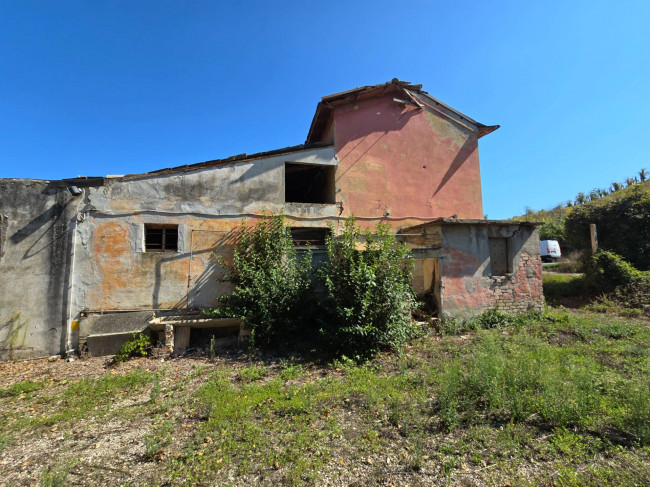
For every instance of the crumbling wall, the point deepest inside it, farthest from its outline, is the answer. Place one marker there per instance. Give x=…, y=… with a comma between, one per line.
x=467, y=284
x=115, y=272
x=35, y=267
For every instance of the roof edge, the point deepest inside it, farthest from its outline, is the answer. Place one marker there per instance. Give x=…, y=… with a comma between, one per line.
x=325, y=105
x=229, y=160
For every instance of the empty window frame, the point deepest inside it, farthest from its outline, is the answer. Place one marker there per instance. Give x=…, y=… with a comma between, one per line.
x=160, y=238
x=309, y=183
x=308, y=236
x=500, y=256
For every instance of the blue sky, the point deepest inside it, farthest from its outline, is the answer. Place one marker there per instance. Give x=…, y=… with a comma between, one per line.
x=115, y=87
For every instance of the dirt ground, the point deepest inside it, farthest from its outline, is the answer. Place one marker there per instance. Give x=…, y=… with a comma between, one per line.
x=47, y=440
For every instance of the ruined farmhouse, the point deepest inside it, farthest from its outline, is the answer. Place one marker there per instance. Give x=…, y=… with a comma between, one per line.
x=86, y=261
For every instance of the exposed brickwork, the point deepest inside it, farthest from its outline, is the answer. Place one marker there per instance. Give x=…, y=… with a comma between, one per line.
x=465, y=295
x=521, y=290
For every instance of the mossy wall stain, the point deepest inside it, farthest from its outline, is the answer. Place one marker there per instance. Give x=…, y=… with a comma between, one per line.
x=14, y=334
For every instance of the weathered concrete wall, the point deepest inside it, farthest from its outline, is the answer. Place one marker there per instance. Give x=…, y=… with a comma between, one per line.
x=116, y=273
x=467, y=286
x=414, y=163
x=37, y=220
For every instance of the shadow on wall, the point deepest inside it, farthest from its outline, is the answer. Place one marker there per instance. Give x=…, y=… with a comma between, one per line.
x=363, y=136
x=10, y=333
x=51, y=216
x=465, y=151
x=205, y=280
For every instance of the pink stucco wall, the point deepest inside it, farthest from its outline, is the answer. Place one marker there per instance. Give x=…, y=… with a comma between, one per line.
x=467, y=284
x=466, y=295
x=413, y=162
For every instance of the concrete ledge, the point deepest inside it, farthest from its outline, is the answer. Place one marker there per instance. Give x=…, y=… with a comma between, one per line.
x=107, y=343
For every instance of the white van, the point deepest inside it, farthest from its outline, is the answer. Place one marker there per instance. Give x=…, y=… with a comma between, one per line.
x=549, y=250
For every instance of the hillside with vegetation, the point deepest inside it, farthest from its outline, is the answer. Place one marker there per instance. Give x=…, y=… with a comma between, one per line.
x=620, y=212
x=617, y=278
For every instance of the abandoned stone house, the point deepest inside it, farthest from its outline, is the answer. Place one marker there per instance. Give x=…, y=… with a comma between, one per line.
x=87, y=261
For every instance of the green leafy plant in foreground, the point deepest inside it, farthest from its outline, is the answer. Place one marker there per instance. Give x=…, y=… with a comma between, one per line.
x=369, y=291
x=139, y=346
x=369, y=295
x=271, y=283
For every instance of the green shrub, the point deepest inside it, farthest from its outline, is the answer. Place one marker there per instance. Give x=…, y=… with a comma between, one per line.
x=552, y=230
x=369, y=292
x=604, y=306
x=493, y=318
x=607, y=270
x=271, y=285
x=139, y=346
x=630, y=312
x=633, y=295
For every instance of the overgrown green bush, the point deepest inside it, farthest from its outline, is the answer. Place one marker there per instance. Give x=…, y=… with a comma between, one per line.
x=271, y=283
x=607, y=270
x=552, y=230
x=633, y=295
x=139, y=346
x=369, y=291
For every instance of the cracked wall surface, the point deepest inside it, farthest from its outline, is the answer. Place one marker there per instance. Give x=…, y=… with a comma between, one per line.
x=467, y=284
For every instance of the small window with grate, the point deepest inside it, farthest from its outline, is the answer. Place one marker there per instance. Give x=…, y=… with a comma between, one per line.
x=160, y=238
x=309, y=236
x=500, y=260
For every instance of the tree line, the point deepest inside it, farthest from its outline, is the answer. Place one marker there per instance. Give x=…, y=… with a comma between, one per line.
x=596, y=193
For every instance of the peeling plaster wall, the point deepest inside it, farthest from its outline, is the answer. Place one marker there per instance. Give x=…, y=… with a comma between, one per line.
x=115, y=273
x=412, y=162
x=467, y=287
x=35, y=240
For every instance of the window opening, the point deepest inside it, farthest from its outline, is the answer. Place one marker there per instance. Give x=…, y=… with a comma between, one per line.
x=303, y=236
x=161, y=238
x=500, y=261
x=309, y=183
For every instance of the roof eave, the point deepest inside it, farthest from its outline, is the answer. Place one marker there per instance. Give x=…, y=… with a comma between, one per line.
x=487, y=129
x=325, y=107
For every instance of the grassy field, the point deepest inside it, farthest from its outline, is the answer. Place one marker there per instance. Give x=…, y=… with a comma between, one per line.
x=554, y=399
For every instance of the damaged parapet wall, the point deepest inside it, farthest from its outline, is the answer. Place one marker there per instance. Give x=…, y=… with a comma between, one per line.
x=471, y=278
x=35, y=238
